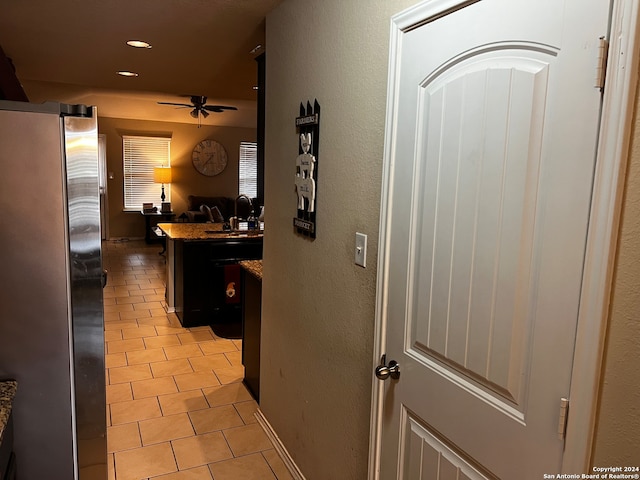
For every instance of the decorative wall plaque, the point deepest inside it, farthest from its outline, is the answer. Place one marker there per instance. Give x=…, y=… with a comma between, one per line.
x=306, y=179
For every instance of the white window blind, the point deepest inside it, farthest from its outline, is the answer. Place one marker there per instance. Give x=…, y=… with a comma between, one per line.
x=140, y=155
x=248, y=169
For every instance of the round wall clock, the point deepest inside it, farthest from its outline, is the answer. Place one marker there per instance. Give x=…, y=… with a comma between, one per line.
x=209, y=158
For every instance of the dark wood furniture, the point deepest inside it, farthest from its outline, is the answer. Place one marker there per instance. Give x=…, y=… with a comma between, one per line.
x=151, y=220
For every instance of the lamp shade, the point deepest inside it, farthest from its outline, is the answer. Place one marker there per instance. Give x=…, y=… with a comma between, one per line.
x=162, y=174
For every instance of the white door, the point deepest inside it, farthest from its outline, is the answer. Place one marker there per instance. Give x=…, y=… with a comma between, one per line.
x=494, y=120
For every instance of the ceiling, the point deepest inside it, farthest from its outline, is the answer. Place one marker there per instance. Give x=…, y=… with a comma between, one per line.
x=70, y=51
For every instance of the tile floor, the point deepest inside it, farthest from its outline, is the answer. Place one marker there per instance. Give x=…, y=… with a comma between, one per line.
x=176, y=405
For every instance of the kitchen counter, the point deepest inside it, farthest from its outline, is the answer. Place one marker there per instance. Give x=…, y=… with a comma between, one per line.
x=202, y=231
x=7, y=393
x=203, y=276
x=254, y=267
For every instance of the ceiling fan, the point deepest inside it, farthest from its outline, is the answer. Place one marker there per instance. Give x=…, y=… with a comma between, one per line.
x=199, y=106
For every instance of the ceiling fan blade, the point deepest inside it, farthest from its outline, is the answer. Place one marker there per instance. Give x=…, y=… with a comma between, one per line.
x=218, y=108
x=198, y=107
x=176, y=104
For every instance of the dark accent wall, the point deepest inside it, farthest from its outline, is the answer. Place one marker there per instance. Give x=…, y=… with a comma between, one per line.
x=261, y=59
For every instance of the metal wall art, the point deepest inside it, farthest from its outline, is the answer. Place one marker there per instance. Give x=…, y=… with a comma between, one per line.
x=306, y=179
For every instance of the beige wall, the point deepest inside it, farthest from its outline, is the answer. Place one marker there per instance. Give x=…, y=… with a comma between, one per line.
x=617, y=440
x=318, y=307
x=186, y=180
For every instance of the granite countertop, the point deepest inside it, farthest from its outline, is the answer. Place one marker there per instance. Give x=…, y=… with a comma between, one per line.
x=202, y=231
x=7, y=393
x=254, y=267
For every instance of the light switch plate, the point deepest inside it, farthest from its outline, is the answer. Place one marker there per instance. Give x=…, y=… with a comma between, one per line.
x=361, y=249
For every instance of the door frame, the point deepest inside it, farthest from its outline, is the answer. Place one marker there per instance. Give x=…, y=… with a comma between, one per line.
x=611, y=163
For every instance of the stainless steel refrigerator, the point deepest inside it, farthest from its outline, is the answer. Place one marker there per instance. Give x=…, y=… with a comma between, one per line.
x=51, y=307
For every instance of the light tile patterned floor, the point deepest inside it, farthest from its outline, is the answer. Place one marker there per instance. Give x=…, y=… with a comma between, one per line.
x=176, y=407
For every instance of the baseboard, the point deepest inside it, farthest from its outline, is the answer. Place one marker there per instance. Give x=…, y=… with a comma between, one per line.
x=279, y=447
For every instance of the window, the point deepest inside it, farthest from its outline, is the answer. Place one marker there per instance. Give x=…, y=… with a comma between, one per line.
x=248, y=170
x=140, y=155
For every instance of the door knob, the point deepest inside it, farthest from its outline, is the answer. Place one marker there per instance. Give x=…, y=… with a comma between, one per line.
x=384, y=371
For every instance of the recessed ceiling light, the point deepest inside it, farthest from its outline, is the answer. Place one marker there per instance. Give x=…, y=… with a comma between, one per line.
x=127, y=74
x=138, y=44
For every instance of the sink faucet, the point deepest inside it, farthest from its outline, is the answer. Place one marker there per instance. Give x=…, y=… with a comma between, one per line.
x=235, y=208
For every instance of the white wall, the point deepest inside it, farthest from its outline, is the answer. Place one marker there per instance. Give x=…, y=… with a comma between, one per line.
x=318, y=307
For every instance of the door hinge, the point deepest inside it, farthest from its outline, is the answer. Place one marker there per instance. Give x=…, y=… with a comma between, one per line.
x=601, y=64
x=562, y=420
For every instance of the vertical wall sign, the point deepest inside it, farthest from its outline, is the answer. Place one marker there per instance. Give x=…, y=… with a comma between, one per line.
x=306, y=179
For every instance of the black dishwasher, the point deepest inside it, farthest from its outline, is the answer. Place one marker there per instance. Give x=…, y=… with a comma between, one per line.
x=207, y=283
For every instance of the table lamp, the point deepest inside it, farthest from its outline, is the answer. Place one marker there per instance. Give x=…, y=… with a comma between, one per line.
x=163, y=175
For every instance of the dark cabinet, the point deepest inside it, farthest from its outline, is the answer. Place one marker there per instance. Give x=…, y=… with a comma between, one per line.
x=7, y=457
x=208, y=283
x=251, y=324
